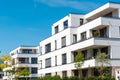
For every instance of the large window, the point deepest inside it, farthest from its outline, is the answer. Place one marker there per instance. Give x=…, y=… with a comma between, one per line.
x=48, y=48
x=63, y=42
x=34, y=60
x=56, y=29
x=83, y=36
x=65, y=24
x=24, y=60
x=48, y=62
x=34, y=70
x=27, y=51
x=74, y=38
x=64, y=58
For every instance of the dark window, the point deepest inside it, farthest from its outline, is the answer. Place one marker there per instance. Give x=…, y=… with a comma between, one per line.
x=95, y=51
x=56, y=29
x=48, y=48
x=33, y=60
x=85, y=72
x=48, y=62
x=65, y=24
x=55, y=60
x=84, y=54
x=103, y=32
x=24, y=60
x=55, y=44
x=34, y=70
x=105, y=50
x=63, y=42
x=74, y=38
x=81, y=21
x=64, y=73
x=83, y=36
x=27, y=51
x=64, y=58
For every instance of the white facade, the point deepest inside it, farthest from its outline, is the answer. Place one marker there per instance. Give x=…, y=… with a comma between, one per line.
x=76, y=31
x=25, y=56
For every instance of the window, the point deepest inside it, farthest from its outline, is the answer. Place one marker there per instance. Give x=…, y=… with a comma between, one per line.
x=84, y=54
x=55, y=44
x=24, y=60
x=40, y=64
x=83, y=36
x=27, y=51
x=33, y=60
x=64, y=59
x=48, y=48
x=34, y=70
x=81, y=21
x=40, y=50
x=65, y=24
x=56, y=29
x=48, y=62
x=74, y=38
x=63, y=41
x=103, y=32
x=55, y=60
x=64, y=73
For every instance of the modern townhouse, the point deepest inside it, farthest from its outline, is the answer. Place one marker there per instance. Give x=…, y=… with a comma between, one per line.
x=24, y=56
x=98, y=30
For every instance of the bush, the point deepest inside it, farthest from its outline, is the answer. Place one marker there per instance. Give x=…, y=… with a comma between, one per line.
x=98, y=78
x=74, y=78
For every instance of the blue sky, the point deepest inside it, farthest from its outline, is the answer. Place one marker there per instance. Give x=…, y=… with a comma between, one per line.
x=27, y=22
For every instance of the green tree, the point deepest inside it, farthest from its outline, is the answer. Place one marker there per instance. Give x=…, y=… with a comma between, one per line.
x=102, y=63
x=25, y=72
x=14, y=71
x=79, y=60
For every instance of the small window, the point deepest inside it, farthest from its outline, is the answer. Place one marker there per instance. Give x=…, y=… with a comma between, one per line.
x=40, y=50
x=64, y=73
x=56, y=29
x=55, y=60
x=81, y=22
x=47, y=48
x=40, y=64
x=83, y=36
x=74, y=38
x=65, y=24
x=63, y=42
x=64, y=59
x=48, y=62
x=55, y=44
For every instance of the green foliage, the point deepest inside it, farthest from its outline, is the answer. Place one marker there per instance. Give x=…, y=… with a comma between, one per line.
x=73, y=78
x=79, y=60
x=102, y=60
x=98, y=78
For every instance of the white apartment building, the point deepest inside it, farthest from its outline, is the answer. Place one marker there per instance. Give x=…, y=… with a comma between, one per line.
x=77, y=32
x=26, y=56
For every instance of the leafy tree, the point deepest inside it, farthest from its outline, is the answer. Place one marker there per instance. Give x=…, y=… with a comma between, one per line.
x=79, y=60
x=102, y=61
x=14, y=71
